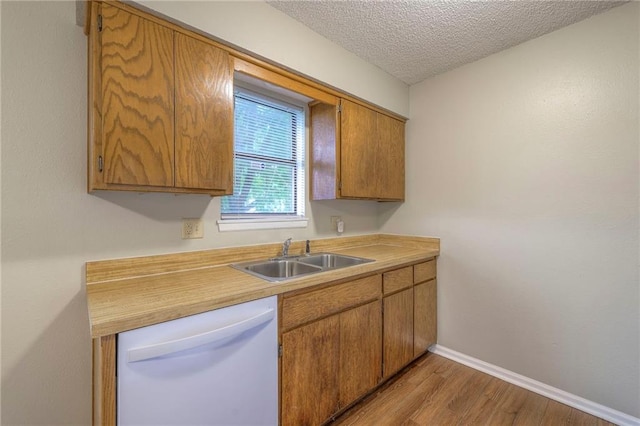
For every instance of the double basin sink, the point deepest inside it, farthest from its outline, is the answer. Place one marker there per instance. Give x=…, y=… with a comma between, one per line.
x=280, y=269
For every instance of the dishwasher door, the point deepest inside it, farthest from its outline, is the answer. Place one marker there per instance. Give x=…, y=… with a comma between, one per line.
x=215, y=368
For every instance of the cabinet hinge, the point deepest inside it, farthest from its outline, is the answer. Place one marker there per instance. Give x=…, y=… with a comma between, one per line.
x=100, y=163
x=279, y=351
x=339, y=107
x=340, y=185
x=99, y=23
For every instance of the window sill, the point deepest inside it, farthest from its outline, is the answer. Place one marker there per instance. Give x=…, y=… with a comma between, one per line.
x=226, y=225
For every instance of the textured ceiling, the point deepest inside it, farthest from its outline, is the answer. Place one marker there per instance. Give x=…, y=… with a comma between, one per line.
x=414, y=40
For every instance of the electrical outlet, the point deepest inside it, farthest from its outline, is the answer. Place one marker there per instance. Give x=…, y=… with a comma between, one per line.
x=192, y=228
x=334, y=222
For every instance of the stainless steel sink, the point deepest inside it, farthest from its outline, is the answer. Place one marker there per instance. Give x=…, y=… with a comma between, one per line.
x=280, y=269
x=332, y=260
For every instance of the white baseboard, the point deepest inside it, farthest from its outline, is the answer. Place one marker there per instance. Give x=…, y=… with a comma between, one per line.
x=550, y=392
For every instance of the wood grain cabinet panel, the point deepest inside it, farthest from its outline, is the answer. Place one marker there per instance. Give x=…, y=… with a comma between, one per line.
x=333, y=360
x=315, y=304
x=137, y=99
x=104, y=380
x=325, y=135
x=397, y=331
x=161, y=115
x=425, y=316
x=309, y=379
x=397, y=280
x=161, y=107
x=360, y=351
x=357, y=153
x=424, y=271
x=204, y=116
x=390, y=158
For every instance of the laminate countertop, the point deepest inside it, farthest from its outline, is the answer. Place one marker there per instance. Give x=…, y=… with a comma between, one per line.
x=124, y=294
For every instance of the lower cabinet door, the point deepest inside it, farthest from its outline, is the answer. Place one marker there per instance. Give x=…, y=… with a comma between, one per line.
x=310, y=362
x=360, y=351
x=425, y=314
x=398, y=331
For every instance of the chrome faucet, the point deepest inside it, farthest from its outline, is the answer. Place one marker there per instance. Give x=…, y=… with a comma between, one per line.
x=285, y=247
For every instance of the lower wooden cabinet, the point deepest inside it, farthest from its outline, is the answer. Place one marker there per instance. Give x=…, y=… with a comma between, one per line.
x=330, y=362
x=424, y=316
x=360, y=351
x=309, y=379
x=398, y=331
x=340, y=342
x=425, y=306
x=409, y=314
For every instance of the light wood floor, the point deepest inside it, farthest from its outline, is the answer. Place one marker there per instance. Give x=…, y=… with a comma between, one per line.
x=438, y=391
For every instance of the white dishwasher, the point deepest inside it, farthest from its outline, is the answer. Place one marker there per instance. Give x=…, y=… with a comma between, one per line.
x=214, y=368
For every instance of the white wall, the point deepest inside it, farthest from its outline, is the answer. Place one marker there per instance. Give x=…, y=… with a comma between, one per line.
x=526, y=165
x=51, y=226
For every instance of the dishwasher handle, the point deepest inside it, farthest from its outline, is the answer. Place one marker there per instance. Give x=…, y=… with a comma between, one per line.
x=165, y=348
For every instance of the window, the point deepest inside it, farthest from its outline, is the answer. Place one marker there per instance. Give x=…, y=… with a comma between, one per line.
x=268, y=163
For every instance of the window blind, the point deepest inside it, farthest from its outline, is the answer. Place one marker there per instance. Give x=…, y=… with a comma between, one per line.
x=268, y=158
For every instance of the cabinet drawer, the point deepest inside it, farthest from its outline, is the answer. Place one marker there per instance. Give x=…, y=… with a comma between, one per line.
x=424, y=271
x=319, y=303
x=397, y=280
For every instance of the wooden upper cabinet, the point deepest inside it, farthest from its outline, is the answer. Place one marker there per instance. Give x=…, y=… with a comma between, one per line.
x=324, y=137
x=390, y=158
x=161, y=115
x=161, y=107
x=356, y=153
x=204, y=115
x=137, y=100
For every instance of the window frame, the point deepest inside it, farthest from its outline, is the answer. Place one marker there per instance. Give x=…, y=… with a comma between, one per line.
x=231, y=222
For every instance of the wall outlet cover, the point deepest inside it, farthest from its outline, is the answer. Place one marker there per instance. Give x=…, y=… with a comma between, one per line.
x=192, y=228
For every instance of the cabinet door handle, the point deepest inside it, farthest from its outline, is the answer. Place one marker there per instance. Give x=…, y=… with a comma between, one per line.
x=165, y=348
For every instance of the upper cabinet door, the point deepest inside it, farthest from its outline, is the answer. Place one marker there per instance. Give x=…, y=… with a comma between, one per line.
x=358, y=154
x=390, y=158
x=358, y=146
x=204, y=116
x=137, y=100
